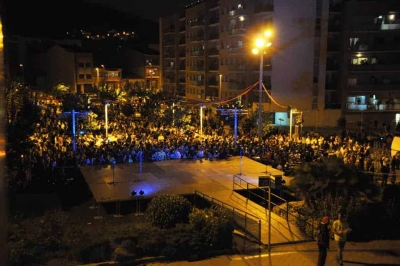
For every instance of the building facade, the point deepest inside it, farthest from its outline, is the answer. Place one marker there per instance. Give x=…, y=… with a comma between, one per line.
x=206, y=53
x=330, y=59
x=71, y=66
x=366, y=62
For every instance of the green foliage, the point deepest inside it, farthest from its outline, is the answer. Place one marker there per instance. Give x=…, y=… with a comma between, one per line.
x=212, y=227
x=37, y=240
x=166, y=211
x=331, y=185
x=250, y=124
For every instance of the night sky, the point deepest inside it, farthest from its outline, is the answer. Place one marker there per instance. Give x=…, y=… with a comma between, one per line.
x=150, y=9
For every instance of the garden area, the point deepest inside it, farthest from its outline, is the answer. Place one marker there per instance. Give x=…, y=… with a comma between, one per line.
x=170, y=229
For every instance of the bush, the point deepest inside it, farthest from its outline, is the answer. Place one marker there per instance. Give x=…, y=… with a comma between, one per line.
x=213, y=229
x=167, y=210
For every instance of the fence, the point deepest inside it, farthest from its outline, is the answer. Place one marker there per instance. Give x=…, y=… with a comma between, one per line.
x=276, y=201
x=301, y=220
x=248, y=223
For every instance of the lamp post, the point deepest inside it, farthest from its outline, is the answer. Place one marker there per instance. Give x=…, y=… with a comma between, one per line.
x=98, y=82
x=201, y=119
x=261, y=45
x=23, y=72
x=106, y=117
x=220, y=87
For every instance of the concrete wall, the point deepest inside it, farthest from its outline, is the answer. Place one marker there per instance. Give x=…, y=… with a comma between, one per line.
x=293, y=53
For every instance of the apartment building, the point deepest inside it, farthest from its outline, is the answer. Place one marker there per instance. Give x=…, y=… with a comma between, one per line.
x=328, y=59
x=205, y=53
x=364, y=62
x=70, y=65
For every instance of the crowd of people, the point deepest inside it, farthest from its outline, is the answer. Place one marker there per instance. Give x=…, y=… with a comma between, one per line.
x=154, y=138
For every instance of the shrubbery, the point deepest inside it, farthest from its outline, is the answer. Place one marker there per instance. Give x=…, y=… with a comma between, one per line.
x=174, y=230
x=168, y=210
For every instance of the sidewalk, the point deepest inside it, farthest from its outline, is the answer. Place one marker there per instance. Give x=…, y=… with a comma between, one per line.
x=382, y=253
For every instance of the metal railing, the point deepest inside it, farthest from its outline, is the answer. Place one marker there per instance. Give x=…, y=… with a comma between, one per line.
x=243, y=184
x=248, y=223
x=301, y=220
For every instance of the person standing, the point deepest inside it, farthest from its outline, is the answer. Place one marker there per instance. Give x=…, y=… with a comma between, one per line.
x=323, y=241
x=340, y=229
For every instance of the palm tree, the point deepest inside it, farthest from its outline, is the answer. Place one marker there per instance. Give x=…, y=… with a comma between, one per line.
x=328, y=186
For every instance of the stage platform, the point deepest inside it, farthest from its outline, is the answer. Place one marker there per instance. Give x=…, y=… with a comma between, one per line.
x=115, y=183
x=214, y=178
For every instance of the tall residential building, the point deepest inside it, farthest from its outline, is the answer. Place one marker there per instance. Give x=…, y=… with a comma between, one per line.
x=206, y=52
x=364, y=62
x=328, y=59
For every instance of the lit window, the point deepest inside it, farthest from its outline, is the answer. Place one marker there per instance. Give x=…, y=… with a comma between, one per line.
x=392, y=17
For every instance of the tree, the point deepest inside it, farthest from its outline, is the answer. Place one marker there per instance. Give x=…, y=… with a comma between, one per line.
x=166, y=211
x=330, y=185
x=250, y=123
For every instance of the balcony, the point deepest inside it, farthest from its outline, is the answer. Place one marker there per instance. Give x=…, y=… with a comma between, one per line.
x=236, y=85
x=199, y=38
x=169, y=30
x=169, y=55
x=237, y=12
x=197, y=82
x=197, y=53
x=182, y=67
x=392, y=47
x=212, y=82
x=197, y=23
x=213, y=36
x=384, y=106
x=182, y=54
x=214, y=20
x=182, y=28
x=237, y=31
x=182, y=80
x=169, y=42
x=334, y=28
x=332, y=67
x=169, y=68
x=385, y=86
x=213, y=67
x=237, y=68
x=236, y=50
x=375, y=67
x=213, y=52
x=259, y=9
x=182, y=41
x=332, y=47
x=196, y=68
x=331, y=86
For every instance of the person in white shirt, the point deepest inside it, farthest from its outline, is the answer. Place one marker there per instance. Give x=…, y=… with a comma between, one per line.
x=340, y=229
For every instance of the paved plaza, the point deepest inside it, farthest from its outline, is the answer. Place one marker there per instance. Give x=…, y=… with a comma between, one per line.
x=374, y=253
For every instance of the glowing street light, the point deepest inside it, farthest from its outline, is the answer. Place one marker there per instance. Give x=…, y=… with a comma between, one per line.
x=261, y=44
x=106, y=117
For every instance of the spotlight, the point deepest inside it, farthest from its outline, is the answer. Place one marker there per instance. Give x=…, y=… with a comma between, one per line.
x=133, y=193
x=141, y=192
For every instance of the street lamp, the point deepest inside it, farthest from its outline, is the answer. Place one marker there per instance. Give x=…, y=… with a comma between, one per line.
x=220, y=87
x=98, y=82
x=106, y=117
x=201, y=119
x=261, y=45
x=23, y=72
